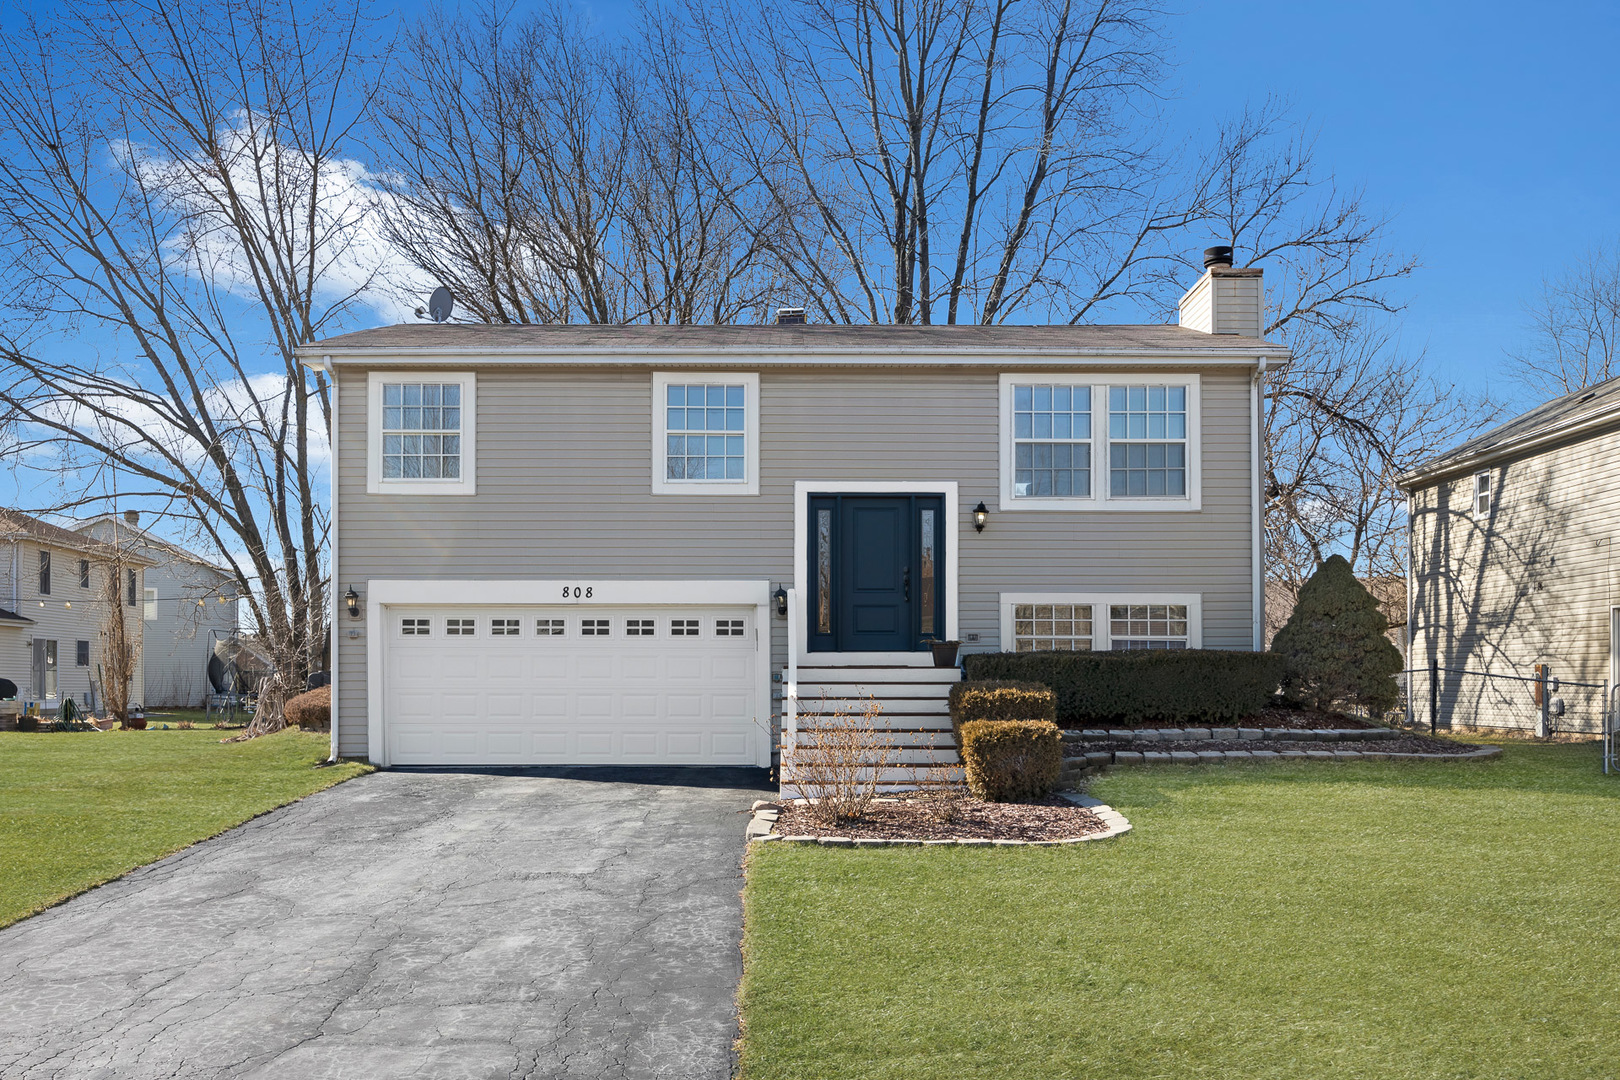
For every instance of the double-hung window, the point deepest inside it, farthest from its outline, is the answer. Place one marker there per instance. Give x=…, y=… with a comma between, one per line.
x=1482, y=495
x=1102, y=442
x=420, y=433
x=705, y=434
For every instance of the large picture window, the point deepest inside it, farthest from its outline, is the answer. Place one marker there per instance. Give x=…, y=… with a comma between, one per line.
x=1100, y=442
x=420, y=433
x=705, y=433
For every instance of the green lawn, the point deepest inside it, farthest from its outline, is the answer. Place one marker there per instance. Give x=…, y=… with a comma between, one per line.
x=1285, y=920
x=79, y=809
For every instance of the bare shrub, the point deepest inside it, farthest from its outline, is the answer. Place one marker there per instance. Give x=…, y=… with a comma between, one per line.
x=941, y=791
x=184, y=725
x=837, y=759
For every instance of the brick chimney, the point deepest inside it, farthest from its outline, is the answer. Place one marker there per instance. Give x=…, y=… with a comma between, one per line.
x=132, y=518
x=1226, y=300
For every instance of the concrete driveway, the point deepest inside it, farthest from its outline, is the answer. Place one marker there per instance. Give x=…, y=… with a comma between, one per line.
x=579, y=923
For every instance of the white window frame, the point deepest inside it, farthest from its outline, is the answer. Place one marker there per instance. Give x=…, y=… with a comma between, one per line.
x=1100, y=499
x=149, y=605
x=467, y=484
x=1489, y=493
x=749, y=484
x=1101, y=639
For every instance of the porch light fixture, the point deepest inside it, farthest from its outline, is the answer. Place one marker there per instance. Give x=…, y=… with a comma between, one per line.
x=352, y=598
x=981, y=514
x=780, y=596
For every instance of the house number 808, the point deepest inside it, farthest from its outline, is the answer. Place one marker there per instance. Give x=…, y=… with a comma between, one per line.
x=576, y=592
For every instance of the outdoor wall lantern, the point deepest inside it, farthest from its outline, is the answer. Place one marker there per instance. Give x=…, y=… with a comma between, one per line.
x=352, y=598
x=780, y=596
x=980, y=515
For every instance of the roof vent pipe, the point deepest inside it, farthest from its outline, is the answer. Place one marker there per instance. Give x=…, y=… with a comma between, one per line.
x=790, y=316
x=1217, y=256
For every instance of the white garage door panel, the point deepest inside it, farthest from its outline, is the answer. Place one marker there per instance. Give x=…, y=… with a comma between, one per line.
x=487, y=699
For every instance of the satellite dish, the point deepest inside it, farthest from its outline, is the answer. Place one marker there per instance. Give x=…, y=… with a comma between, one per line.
x=440, y=303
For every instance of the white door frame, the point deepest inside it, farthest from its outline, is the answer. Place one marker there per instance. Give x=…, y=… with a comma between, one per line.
x=591, y=592
x=802, y=490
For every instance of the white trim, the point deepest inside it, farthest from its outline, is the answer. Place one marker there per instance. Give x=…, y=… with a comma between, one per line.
x=1257, y=497
x=749, y=485
x=1064, y=358
x=1101, y=640
x=334, y=598
x=390, y=592
x=468, y=483
x=955, y=530
x=1489, y=493
x=1100, y=499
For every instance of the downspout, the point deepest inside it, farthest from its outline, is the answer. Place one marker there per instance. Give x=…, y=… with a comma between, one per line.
x=16, y=586
x=1411, y=600
x=1258, y=539
x=334, y=597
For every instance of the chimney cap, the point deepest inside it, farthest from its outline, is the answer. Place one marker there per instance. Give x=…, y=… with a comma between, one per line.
x=790, y=316
x=132, y=517
x=1220, y=255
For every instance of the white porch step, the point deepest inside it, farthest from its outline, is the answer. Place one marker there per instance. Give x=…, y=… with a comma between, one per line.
x=809, y=690
x=929, y=675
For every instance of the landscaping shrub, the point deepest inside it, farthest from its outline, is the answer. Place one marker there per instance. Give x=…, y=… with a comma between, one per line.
x=1334, y=646
x=990, y=700
x=1172, y=687
x=1011, y=760
x=311, y=711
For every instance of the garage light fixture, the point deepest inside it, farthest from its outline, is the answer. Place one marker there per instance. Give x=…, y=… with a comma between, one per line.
x=780, y=596
x=352, y=598
x=981, y=514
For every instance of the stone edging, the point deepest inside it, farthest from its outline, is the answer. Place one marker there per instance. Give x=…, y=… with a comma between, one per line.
x=1097, y=758
x=765, y=813
x=1219, y=734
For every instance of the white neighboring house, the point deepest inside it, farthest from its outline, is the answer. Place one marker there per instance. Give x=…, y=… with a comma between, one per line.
x=52, y=583
x=185, y=599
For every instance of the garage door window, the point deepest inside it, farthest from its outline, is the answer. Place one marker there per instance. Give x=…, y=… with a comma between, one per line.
x=548, y=627
x=416, y=627
x=728, y=628
x=638, y=627
x=460, y=627
x=683, y=628
x=594, y=627
x=504, y=627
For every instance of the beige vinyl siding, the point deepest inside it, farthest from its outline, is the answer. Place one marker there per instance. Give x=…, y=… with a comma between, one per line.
x=564, y=460
x=54, y=620
x=1532, y=583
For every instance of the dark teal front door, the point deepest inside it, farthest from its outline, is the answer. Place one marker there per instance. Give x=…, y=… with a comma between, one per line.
x=876, y=572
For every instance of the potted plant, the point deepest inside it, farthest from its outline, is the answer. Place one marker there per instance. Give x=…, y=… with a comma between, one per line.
x=944, y=652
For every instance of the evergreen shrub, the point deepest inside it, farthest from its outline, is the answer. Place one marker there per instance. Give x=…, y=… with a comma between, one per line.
x=1142, y=688
x=986, y=700
x=1334, y=644
x=1011, y=760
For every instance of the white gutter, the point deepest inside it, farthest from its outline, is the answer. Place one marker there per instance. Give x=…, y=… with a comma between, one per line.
x=850, y=358
x=1258, y=539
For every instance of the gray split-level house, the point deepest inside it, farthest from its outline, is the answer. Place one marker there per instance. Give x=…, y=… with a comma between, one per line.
x=1512, y=566
x=590, y=544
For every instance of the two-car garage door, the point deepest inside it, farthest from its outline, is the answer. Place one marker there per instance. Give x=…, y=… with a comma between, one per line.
x=508, y=685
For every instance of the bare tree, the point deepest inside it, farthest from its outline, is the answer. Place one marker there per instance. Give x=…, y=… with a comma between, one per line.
x=1576, y=323
x=120, y=657
x=943, y=161
x=177, y=216
x=545, y=174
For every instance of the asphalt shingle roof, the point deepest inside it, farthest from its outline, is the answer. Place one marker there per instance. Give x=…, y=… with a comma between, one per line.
x=1580, y=409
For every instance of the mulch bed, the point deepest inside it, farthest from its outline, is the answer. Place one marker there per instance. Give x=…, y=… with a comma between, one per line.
x=1272, y=716
x=1052, y=818
x=1402, y=744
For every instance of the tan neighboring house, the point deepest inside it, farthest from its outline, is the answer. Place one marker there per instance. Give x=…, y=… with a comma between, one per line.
x=188, y=604
x=52, y=604
x=641, y=544
x=1512, y=566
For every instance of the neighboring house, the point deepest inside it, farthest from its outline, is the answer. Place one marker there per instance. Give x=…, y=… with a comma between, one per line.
x=1512, y=566
x=53, y=604
x=590, y=544
x=187, y=604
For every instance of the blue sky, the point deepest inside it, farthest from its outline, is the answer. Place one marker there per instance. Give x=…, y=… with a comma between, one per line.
x=1486, y=130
